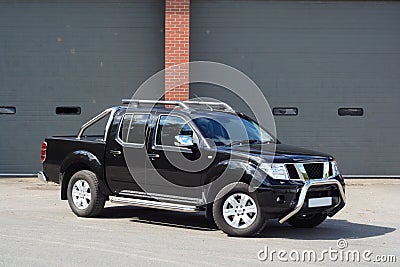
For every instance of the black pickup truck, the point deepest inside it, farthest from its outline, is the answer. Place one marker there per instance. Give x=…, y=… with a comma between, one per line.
x=193, y=157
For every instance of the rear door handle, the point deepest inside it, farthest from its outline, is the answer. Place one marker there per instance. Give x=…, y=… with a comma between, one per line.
x=115, y=152
x=153, y=156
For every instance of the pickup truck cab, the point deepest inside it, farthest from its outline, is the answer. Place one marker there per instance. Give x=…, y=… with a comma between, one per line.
x=193, y=157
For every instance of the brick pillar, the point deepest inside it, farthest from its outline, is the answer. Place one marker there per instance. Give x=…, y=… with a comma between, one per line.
x=177, y=30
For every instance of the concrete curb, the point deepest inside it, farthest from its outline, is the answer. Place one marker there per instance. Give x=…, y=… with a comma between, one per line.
x=370, y=181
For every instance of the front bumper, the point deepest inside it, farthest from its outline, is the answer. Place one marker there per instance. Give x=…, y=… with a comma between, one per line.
x=303, y=195
x=294, y=196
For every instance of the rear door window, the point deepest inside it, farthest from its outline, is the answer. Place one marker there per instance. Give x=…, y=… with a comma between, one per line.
x=133, y=128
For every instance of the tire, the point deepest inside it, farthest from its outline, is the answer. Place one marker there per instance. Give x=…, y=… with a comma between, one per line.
x=231, y=215
x=307, y=221
x=84, y=196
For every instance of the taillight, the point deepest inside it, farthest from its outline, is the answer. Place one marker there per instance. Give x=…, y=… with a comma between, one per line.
x=43, y=152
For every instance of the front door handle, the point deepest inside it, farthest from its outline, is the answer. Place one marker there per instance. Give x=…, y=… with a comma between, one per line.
x=153, y=156
x=115, y=152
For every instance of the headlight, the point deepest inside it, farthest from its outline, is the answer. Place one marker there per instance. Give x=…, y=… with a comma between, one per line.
x=275, y=170
x=335, y=169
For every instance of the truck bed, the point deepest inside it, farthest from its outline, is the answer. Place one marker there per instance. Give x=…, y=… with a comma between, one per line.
x=59, y=147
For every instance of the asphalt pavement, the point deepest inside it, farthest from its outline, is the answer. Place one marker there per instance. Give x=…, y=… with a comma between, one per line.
x=38, y=229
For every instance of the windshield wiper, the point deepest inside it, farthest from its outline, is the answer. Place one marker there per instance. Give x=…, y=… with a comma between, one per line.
x=245, y=141
x=251, y=141
x=268, y=142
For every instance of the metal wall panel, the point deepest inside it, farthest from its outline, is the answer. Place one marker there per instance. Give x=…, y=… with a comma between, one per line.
x=318, y=57
x=89, y=54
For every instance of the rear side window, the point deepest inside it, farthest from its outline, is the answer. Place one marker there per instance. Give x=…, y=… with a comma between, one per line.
x=133, y=128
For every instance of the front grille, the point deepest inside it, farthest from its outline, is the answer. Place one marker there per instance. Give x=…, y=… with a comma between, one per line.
x=292, y=172
x=314, y=170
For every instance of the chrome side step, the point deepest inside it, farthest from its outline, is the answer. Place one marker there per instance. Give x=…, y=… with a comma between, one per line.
x=154, y=204
x=162, y=197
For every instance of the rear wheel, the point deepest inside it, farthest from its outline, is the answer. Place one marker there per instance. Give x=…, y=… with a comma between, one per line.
x=84, y=196
x=307, y=220
x=237, y=212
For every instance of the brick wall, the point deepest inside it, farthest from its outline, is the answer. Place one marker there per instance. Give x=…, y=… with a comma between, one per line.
x=177, y=29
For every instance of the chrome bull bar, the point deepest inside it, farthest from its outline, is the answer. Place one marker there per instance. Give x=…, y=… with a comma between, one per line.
x=303, y=194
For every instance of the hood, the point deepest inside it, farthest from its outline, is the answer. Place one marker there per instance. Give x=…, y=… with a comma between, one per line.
x=283, y=153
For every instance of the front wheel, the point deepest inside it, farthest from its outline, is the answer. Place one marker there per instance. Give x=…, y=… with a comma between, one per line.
x=237, y=212
x=307, y=220
x=84, y=196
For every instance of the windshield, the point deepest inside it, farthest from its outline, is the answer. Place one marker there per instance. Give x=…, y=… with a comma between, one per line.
x=231, y=129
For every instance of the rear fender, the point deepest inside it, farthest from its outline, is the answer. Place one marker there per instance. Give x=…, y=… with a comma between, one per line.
x=77, y=161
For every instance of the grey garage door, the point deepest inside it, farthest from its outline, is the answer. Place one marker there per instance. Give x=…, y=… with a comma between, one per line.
x=317, y=57
x=70, y=53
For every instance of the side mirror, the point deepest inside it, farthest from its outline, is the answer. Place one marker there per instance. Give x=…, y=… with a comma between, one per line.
x=183, y=141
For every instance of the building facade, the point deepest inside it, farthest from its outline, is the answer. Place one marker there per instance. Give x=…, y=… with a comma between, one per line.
x=329, y=69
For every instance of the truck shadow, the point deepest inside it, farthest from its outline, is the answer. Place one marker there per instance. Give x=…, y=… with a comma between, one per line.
x=196, y=221
x=332, y=229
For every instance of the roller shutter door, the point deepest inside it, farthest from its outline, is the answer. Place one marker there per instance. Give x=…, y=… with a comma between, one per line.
x=317, y=57
x=86, y=54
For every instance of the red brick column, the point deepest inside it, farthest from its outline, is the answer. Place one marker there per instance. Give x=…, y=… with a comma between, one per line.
x=177, y=30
